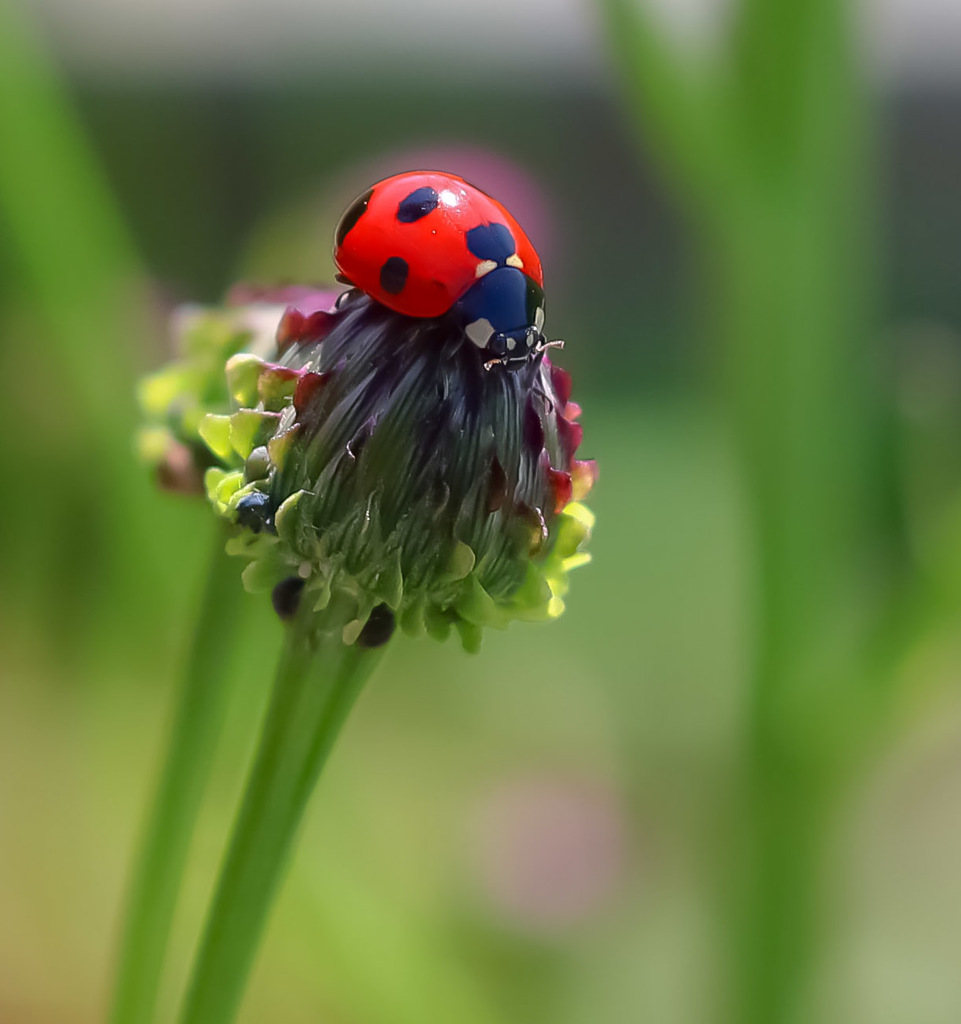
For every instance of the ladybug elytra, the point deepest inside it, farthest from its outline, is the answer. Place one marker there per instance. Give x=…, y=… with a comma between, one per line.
x=428, y=244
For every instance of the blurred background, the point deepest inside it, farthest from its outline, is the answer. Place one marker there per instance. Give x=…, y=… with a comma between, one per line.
x=726, y=784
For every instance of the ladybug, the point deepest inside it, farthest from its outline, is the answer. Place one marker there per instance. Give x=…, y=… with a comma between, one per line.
x=429, y=244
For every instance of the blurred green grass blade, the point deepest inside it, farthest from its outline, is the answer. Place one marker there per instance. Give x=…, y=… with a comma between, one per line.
x=793, y=70
x=62, y=223
x=790, y=247
x=682, y=106
x=70, y=247
x=194, y=738
x=796, y=294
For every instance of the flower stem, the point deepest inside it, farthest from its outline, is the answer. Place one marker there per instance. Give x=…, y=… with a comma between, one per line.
x=194, y=734
x=318, y=679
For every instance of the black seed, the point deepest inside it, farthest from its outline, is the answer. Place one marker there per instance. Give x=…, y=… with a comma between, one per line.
x=491, y=242
x=393, y=275
x=379, y=628
x=352, y=214
x=285, y=597
x=253, y=511
x=418, y=204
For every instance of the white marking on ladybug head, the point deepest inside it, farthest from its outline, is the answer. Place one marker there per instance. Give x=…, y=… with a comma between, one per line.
x=485, y=267
x=539, y=319
x=511, y=343
x=515, y=261
x=479, y=332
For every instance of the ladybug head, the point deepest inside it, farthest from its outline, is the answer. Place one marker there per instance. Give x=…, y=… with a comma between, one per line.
x=503, y=315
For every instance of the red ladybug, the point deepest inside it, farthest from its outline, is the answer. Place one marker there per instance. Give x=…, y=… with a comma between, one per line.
x=427, y=243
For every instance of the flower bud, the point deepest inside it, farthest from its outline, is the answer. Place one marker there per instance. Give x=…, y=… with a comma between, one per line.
x=375, y=464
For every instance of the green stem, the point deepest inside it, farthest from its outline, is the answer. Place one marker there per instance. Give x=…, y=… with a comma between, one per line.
x=195, y=731
x=318, y=679
x=774, y=922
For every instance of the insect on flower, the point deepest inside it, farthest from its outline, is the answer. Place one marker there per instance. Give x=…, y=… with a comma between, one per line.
x=428, y=244
x=403, y=452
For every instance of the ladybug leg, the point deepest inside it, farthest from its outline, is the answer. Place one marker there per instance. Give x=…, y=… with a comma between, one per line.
x=512, y=361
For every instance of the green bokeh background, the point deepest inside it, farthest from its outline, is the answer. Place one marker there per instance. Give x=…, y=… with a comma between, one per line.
x=551, y=831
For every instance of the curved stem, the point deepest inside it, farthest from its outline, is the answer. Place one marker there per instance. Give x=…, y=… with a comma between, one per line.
x=193, y=739
x=318, y=679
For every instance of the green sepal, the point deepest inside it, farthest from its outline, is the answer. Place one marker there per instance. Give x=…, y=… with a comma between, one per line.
x=212, y=480
x=279, y=446
x=320, y=593
x=214, y=430
x=531, y=600
x=269, y=567
x=388, y=585
x=470, y=636
x=243, y=371
x=227, y=492
x=250, y=428
x=276, y=385
x=572, y=529
x=476, y=606
x=437, y=623
x=412, y=620
x=292, y=529
x=461, y=562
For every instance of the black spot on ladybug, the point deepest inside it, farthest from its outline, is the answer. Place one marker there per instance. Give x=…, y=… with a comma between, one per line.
x=393, y=275
x=418, y=204
x=253, y=511
x=285, y=597
x=352, y=214
x=491, y=242
x=378, y=629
